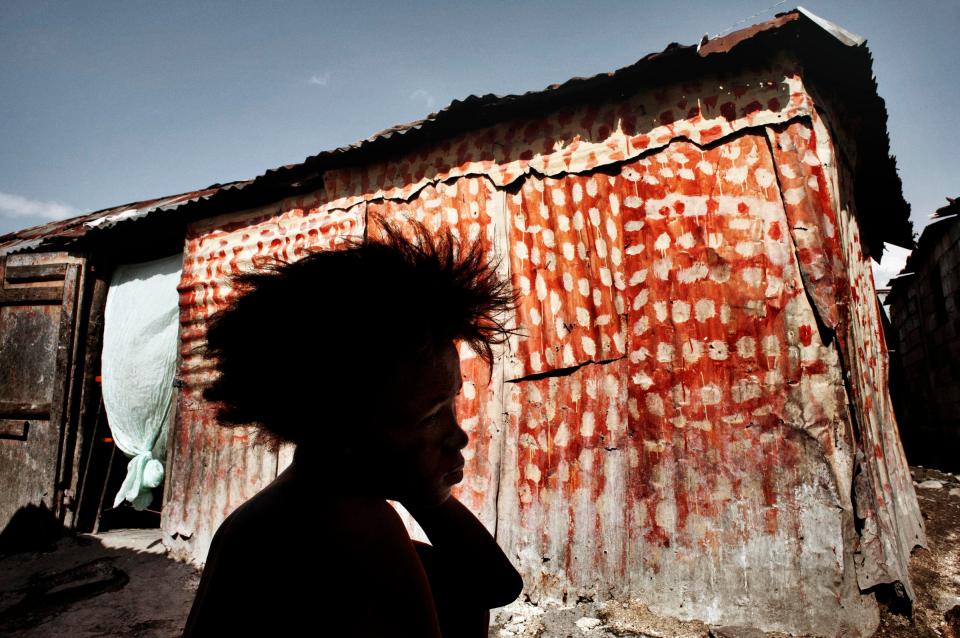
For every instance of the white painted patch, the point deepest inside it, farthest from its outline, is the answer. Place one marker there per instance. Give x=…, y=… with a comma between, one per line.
x=563, y=223
x=578, y=222
x=541, y=287
x=589, y=346
x=592, y=188
x=638, y=277
x=616, y=257
x=601, y=247
x=747, y=248
x=660, y=310
x=520, y=250
x=519, y=221
x=686, y=241
x=605, y=277
x=583, y=285
x=692, y=351
x=594, y=215
x=568, y=359
x=720, y=273
x=611, y=228
x=641, y=299
x=687, y=174
x=711, y=394
x=771, y=346
x=641, y=326
x=567, y=250
x=583, y=316
x=794, y=196
x=704, y=309
x=577, y=193
x=558, y=196
x=524, y=284
x=662, y=243
x=705, y=167
x=587, y=423
x=746, y=347
x=614, y=205
x=764, y=177
x=680, y=311
x=661, y=268
x=535, y=317
x=568, y=282
x=548, y=238
x=665, y=352
x=634, y=249
x=696, y=272
x=736, y=174
x=632, y=201
x=620, y=341
x=717, y=350
x=555, y=302
x=752, y=276
x=724, y=313
x=532, y=472
x=536, y=363
x=654, y=404
x=633, y=226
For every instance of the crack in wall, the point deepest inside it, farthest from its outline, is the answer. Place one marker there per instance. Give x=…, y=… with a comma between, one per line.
x=563, y=372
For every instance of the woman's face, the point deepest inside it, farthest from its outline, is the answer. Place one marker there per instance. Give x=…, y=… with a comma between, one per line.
x=416, y=443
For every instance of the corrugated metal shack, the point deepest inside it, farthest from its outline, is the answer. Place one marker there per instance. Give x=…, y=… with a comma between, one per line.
x=925, y=312
x=697, y=416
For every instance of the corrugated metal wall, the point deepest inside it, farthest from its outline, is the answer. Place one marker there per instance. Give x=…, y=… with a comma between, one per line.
x=674, y=425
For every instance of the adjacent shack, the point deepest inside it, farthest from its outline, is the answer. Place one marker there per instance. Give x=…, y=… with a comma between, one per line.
x=924, y=305
x=696, y=416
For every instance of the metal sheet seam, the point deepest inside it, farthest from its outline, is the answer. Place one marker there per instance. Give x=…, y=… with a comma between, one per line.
x=504, y=267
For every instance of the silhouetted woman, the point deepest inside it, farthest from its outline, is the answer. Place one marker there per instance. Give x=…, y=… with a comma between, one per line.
x=351, y=355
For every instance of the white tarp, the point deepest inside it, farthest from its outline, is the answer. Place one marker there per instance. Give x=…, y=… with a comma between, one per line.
x=138, y=366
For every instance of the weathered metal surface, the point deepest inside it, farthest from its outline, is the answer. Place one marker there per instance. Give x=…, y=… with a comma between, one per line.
x=673, y=424
x=36, y=345
x=214, y=469
x=816, y=188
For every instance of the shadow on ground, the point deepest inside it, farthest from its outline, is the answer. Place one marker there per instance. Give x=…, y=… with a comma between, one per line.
x=119, y=583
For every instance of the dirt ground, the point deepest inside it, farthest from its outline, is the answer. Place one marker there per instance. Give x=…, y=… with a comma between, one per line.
x=121, y=583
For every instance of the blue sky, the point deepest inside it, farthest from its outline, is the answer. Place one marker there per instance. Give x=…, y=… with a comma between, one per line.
x=110, y=102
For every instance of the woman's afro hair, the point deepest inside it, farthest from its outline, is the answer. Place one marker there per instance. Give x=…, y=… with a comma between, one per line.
x=303, y=340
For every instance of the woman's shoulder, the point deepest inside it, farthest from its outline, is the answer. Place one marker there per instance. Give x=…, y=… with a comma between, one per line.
x=288, y=511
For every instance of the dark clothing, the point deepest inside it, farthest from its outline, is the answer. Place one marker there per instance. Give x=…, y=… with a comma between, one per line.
x=291, y=561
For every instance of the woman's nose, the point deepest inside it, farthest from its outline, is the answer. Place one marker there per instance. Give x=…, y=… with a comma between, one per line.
x=457, y=439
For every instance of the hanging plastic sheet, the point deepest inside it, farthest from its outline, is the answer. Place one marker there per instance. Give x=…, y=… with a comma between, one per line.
x=138, y=365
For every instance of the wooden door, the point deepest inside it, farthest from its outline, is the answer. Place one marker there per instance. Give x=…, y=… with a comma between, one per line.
x=38, y=304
